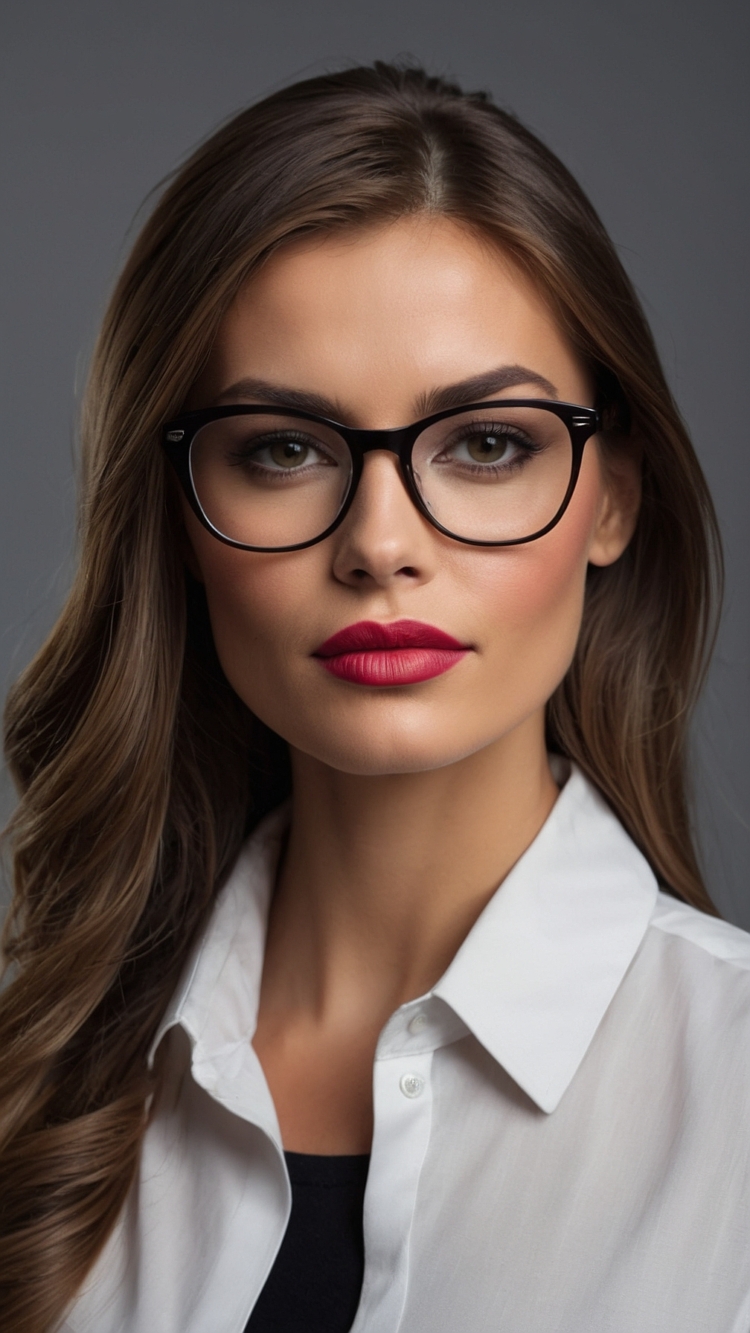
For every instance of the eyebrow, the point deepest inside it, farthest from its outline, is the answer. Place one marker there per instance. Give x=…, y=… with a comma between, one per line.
x=278, y=395
x=482, y=386
x=470, y=390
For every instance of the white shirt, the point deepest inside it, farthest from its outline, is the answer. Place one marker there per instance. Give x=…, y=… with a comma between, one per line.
x=562, y=1127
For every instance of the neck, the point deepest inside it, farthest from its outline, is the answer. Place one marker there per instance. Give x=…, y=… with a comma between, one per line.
x=385, y=875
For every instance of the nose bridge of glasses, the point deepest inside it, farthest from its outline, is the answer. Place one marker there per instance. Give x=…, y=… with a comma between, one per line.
x=392, y=441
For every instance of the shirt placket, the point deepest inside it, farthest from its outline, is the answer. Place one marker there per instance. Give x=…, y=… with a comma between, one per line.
x=403, y=1100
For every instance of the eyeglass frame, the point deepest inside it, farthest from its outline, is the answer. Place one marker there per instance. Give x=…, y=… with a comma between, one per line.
x=178, y=435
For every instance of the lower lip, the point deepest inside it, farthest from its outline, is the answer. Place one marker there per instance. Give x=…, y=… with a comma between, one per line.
x=392, y=666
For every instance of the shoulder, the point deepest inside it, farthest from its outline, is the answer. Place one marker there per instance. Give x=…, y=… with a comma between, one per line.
x=696, y=969
x=711, y=937
x=679, y=1027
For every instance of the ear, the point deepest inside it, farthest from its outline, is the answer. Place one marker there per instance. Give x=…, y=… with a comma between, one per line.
x=620, y=504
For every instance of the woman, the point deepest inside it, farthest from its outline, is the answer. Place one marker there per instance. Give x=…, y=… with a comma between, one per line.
x=363, y=974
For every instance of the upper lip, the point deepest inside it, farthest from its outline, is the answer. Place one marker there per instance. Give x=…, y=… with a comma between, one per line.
x=371, y=635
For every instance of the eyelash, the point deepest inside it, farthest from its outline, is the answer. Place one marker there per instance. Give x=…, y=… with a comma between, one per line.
x=502, y=429
x=244, y=454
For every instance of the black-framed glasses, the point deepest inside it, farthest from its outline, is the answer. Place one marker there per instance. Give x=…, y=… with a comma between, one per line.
x=277, y=479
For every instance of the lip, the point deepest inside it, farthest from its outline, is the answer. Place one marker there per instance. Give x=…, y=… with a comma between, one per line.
x=403, y=652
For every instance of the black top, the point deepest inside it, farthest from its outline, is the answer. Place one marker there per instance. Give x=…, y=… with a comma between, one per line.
x=315, y=1283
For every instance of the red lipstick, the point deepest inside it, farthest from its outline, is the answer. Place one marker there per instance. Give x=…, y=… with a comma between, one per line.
x=403, y=652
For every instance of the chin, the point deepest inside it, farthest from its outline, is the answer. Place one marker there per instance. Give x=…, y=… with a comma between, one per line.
x=385, y=751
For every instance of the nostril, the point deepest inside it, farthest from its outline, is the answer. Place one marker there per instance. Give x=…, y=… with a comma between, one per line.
x=408, y=570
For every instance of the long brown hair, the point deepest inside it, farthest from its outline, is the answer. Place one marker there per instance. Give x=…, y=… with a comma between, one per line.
x=139, y=771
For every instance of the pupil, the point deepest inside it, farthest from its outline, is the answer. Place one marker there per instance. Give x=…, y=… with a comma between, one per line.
x=288, y=453
x=486, y=448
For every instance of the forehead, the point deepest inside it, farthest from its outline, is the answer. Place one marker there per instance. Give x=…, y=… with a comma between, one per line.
x=378, y=318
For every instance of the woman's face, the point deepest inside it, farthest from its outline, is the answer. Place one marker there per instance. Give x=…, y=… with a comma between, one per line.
x=375, y=322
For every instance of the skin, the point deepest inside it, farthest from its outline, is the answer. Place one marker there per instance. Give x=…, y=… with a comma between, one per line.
x=410, y=805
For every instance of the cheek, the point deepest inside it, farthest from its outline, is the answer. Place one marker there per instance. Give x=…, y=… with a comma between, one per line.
x=258, y=606
x=531, y=598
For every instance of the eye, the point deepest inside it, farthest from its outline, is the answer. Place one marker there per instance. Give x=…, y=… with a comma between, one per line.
x=281, y=452
x=287, y=453
x=486, y=446
x=489, y=446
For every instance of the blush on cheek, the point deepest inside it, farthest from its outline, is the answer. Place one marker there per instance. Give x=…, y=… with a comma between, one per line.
x=259, y=612
x=532, y=583
x=533, y=597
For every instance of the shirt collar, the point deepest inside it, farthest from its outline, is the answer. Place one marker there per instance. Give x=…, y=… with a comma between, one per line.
x=531, y=981
x=537, y=972
x=216, y=1000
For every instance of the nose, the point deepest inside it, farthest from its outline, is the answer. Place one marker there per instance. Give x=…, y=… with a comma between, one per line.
x=384, y=539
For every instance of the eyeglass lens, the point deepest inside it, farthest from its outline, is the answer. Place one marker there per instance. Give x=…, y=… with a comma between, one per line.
x=493, y=475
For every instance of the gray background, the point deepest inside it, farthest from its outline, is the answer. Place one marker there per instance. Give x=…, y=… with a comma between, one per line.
x=646, y=102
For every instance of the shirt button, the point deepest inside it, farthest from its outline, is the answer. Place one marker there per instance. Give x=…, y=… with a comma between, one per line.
x=411, y=1085
x=418, y=1023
